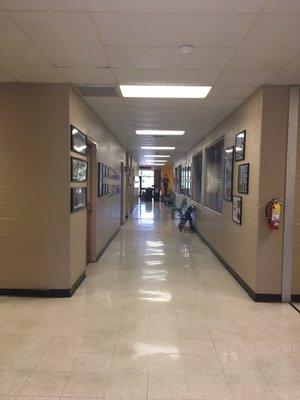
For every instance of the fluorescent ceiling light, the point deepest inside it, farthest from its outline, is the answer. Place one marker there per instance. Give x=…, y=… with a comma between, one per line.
x=156, y=161
x=154, y=165
x=157, y=148
x=158, y=132
x=156, y=156
x=176, y=92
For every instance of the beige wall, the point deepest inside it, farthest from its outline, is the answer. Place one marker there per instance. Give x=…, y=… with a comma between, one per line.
x=34, y=186
x=251, y=249
x=43, y=245
x=272, y=185
x=296, y=258
x=107, y=212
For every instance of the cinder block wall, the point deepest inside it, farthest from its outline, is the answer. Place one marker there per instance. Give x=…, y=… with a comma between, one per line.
x=251, y=249
x=34, y=186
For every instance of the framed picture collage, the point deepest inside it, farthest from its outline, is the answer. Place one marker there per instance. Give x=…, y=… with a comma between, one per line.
x=233, y=154
x=79, y=169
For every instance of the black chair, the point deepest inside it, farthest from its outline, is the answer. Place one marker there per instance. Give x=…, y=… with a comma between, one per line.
x=178, y=209
x=187, y=216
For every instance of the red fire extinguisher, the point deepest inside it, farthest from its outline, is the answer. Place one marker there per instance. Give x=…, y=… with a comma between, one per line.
x=273, y=211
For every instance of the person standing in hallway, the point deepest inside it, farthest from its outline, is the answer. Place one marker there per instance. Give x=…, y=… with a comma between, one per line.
x=165, y=182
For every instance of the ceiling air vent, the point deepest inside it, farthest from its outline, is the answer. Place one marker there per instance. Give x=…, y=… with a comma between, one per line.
x=98, y=91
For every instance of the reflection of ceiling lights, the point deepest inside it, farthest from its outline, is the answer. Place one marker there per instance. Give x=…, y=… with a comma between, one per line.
x=156, y=156
x=175, y=92
x=159, y=132
x=158, y=148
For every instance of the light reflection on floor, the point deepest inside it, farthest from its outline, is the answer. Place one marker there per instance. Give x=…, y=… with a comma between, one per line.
x=157, y=318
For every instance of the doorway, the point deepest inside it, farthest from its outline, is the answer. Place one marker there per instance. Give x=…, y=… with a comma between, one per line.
x=91, y=209
x=146, y=183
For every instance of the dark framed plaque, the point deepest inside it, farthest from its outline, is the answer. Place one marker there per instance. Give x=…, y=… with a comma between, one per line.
x=100, y=179
x=237, y=204
x=240, y=146
x=78, y=141
x=78, y=198
x=243, y=178
x=79, y=170
x=228, y=173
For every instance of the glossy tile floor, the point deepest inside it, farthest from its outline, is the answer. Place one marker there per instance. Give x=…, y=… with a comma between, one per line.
x=157, y=318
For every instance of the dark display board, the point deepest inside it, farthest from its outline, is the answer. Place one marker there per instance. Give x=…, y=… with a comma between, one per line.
x=108, y=181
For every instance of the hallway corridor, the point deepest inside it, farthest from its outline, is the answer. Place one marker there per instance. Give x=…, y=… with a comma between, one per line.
x=157, y=318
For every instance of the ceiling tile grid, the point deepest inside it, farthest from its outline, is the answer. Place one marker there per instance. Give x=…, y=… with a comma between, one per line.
x=238, y=45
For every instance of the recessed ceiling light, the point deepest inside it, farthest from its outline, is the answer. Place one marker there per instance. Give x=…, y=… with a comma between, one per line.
x=156, y=156
x=159, y=132
x=176, y=92
x=157, y=148
x=186, y=48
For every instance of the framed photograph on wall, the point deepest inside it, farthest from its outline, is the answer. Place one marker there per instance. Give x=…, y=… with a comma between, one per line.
x=243, y=178
x=240, y=146
x=78, y=198
x=79, y=170
x=78, y=141
x=100, y=179
x=228, y=173
x=237, y=209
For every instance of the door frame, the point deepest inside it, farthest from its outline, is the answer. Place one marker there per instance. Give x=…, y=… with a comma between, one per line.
x=91, y=214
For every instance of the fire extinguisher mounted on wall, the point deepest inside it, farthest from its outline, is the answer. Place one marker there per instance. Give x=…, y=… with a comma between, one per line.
x=273, y=213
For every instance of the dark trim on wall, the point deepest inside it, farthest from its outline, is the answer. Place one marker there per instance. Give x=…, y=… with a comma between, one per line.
x=296, y=298
x=106, y=245
x=44, y=292
x=259, y=297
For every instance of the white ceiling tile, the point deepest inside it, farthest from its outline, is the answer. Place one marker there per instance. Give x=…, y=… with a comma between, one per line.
x=169, y=57
x=26, y=74
x=212, y=6
x=245, y=77
x=150, y=29
x=231, y=91
x=188, y=111
x=272, y=43
x=54, y=34
x=295, y=64
x=102, y=102
x=282, y=6
x=167, y=76
x=115, y=117
x=94, y=76
x=117, y=125
x=286, y=78
x=257, y=54
x=109, y=110
x=15, y=48
x=160, y=125
x=4, y=77
x=44, y=5
x=161, y=118
x=222, y=102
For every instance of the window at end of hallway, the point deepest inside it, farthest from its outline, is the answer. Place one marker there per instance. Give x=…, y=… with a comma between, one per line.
x=197, y=177
x=214, y=156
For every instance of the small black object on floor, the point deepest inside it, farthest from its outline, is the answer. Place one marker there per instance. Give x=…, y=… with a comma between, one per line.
x=187, y=216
